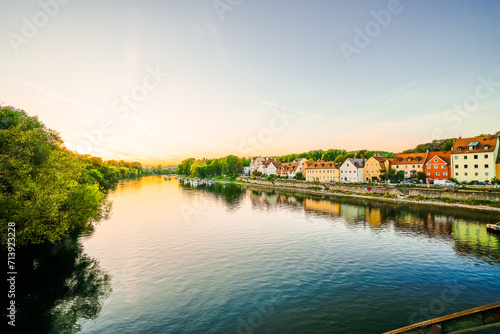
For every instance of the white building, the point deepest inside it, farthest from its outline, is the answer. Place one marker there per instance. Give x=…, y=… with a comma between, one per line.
x=474, y=159
x=352, y=170
x=272, y=168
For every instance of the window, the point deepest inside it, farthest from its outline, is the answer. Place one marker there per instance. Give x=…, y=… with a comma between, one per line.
x=456, y=157
x=435, y=166
x=443, y=167
x=486, y=156
x=437, y=173
x=445, y=173
x=486, y=147
x=456, y=166
x=476, y=166
x=465, y=174
x=465, y=157
x=428, y=173
x=486, y=174
x=466, y=166
x=456, y=174
x=476, y=174
x=435, y=160
x=413, y=166
x=476, y=156
x=486, y=166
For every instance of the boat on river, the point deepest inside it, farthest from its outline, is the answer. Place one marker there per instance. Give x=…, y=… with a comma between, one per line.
x=493, y=227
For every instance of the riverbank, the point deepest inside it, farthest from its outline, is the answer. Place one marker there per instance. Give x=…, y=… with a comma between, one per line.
x=385, y=197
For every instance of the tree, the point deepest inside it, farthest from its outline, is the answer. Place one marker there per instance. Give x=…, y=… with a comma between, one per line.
x=391, y=175
x=185, y=166
x=421, y=177
x=340, y=159
x=361, y=154
x=447, y=145
x=256, y=173
x=231, y=166
x=299, y=176
x=349, y=155
x=44, y=188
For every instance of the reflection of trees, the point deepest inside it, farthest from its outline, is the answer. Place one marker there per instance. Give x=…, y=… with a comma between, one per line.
x=57, y=286
x=230, y=193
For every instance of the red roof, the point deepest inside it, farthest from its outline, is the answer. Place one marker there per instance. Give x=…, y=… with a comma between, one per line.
x=481, y=144
x=443, y=155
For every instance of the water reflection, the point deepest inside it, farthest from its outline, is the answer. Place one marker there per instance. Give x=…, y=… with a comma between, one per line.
x=56, y=287
x=465, y=228
x=232, y=194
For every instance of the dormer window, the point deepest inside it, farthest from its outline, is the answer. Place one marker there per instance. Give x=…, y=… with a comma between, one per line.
x=473, y=145
x=419, y=158
x=400, y=159
x=486, y=147
x=410, y=159
x=459, y=149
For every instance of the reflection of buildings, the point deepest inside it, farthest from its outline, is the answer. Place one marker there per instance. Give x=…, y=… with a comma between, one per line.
x=473, y=238
x=373, y=216
x=324, y=206
x=460, y=229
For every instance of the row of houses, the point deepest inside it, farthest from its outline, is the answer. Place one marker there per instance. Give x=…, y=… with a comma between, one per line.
x=471, y=159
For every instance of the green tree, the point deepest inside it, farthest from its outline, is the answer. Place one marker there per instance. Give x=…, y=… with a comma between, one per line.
x=43, y=186
x=340, y=159
x=231, y=166
x=421, y=177
x=447, y=145
x=299, y=176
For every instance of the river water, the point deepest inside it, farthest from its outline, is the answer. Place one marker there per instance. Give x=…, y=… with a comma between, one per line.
x=230, y=259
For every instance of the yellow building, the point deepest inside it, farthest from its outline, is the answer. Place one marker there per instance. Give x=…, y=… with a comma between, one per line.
x=475, y=159
x=323, y=171
x=373, y=167
x=498, y=166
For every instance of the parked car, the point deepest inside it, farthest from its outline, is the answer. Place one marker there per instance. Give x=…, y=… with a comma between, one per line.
x=445, y=183
x=406, y=182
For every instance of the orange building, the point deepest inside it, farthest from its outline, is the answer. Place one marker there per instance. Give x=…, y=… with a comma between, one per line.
x=373, y=167
x=438, y=166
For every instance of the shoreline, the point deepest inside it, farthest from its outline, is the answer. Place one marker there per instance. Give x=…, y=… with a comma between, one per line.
x=382, y=199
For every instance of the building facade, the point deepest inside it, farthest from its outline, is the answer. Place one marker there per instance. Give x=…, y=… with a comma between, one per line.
x=410, y=163
x=352, y=170
x=437, y=166
x=322, y=171
x=475, y=159
x=372, y=168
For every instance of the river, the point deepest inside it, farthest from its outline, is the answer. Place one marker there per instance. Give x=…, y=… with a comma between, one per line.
x=231, y=259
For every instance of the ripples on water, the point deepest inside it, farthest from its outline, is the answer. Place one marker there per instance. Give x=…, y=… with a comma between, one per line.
x=234, y=260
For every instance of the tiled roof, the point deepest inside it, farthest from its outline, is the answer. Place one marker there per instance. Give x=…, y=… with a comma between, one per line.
x=323, y=165
x=461, y=145
x=444, y=155
x=409, y=159
x=358, y=163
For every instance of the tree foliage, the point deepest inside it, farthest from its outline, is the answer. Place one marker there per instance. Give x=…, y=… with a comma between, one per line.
x=45, y=189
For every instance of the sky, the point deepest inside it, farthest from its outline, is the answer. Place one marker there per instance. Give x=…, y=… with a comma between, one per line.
x=162, y=81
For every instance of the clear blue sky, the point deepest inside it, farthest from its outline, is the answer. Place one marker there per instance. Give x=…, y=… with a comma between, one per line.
x=431, y=70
